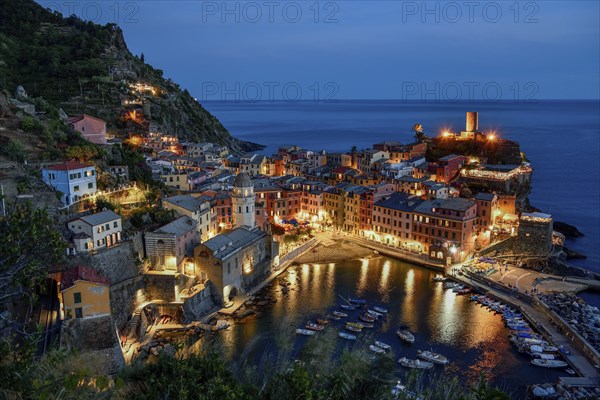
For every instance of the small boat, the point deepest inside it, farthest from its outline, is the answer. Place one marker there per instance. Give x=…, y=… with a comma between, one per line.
x=538, y=362
x=366, y=318
x=376, y=349
x=304, y=332
x=406, y=336
x=347, y=307
x=415, y=364
x=347, y=336
x=380, y=310
x=439, y=278
x=432, y=357
x=314, y=327
x=355, y=324
x=322, y=321
x=382, y=345
x=353, y=328
x=570, y=371
x=400, y=389
x=367, y=325
x=357, y=301
x=340, y=314
x=375, y=313
x=543, y=356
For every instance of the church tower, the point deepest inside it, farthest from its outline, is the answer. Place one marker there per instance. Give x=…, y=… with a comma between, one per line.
x=243, y=199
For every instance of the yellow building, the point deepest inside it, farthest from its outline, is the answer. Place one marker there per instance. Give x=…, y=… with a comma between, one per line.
x=84, y=293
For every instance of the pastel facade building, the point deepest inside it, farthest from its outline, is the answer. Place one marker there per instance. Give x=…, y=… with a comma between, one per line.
x=96, y=231
x=73, y=179
x=84, y=293
x=168, y=246
x=91, y=128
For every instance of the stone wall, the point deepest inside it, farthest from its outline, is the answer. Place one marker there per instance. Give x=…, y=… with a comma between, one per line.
x=501, y=246
x=97, y=336
x=117, y=263
x=195, y=307
x=160, y=287
x=533, y=238
x=125, y=297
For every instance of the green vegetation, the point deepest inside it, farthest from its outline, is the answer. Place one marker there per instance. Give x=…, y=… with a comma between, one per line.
x=14, y=150
x=29, y=245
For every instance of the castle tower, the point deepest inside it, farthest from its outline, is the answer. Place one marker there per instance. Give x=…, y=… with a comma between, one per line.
x=243, y=201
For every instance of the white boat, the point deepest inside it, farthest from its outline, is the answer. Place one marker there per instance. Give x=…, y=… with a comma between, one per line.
x=347, y=307
x=347, y=336
x=376, y=349
x=380, y=309
x=406, y=336
x=384, y=346
x=432, y=357
x=304, y=332
x=415, y=364
x=340, y=314
x=400, y=389
x=538, y=362
x=374, y=314
x=543, y=356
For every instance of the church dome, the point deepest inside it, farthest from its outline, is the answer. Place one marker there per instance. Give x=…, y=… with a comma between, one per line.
x=242, y=180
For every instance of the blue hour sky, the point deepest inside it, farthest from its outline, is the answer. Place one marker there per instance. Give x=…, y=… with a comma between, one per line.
x=463, y=50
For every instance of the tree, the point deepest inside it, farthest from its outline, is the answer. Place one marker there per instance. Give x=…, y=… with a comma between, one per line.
x=29, y=245
x=142, y=58
x=14, y=150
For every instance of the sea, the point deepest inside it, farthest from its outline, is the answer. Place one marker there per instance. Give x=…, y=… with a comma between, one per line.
x=560, y=138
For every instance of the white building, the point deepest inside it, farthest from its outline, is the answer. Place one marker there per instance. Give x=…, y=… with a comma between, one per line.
x=96, y=231
x=74, y=180
x=197, y=208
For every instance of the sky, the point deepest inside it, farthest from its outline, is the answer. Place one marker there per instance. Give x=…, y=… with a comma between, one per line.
x=329, y=50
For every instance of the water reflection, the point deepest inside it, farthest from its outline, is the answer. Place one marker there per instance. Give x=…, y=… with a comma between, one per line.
x=472, y=337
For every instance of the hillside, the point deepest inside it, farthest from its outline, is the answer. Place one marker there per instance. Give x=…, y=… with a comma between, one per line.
x=83, y=67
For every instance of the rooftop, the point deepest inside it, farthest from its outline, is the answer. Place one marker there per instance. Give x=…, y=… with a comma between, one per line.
x=453, y=203
x=100, y=218
x=68, y=166
x=485, y=196
x=400, y=201
x=81, y=273
x=178, y=227
x=227, y=243
x=186, y=201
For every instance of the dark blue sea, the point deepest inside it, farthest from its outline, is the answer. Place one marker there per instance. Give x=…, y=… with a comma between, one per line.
x=560, y=138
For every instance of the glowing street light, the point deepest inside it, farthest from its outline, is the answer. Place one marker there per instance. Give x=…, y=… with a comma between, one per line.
x=491, y=137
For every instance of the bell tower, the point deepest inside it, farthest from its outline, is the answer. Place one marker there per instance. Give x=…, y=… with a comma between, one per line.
x=243, y=200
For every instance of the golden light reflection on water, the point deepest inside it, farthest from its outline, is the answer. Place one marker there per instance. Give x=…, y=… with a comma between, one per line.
x=362, y=279
x=474, y=338
x=384, y=290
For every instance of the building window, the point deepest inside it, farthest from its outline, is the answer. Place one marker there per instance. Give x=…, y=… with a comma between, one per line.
x=116, y=224
x=91, y=185
x=77, y=297
x=78, y=312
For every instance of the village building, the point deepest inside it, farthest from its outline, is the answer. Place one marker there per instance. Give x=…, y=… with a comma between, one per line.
x=393, y=219
x=84, y=293
x=91, y=128
x=96, y=231
x=73, y=179
x=167, y=247
x=197, y=208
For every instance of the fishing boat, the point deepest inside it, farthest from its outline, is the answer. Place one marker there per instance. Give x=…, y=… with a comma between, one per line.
x=358, y=301
x=406, y=336
x=355, y=324
x=366, y=318
x=347, y=336
x=415, y=364
x=538, y=362
x=367, y=325
x=543, y=356
x=353, y=328
x=375, y=313
x=304, y=332
x=439, y=278
x=340, y=314
x=347, y=307
x=430, y=356
x=382, y=345
x=376, y=349
x=380, y=310
x=314, y=327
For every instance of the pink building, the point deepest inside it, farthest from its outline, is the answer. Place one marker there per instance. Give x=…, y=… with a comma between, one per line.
x=91, y=128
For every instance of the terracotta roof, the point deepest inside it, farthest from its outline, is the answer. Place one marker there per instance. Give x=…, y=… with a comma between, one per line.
x=77, y=118
x=81, y=273
x=68, y=166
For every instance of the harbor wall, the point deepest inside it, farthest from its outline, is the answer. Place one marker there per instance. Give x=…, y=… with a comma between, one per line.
x=565, y=328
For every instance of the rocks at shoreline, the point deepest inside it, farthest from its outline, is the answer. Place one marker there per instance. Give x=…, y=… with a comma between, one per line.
x=559, y=392
x=584, y=318
x=566, y=229
x=572, y=254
